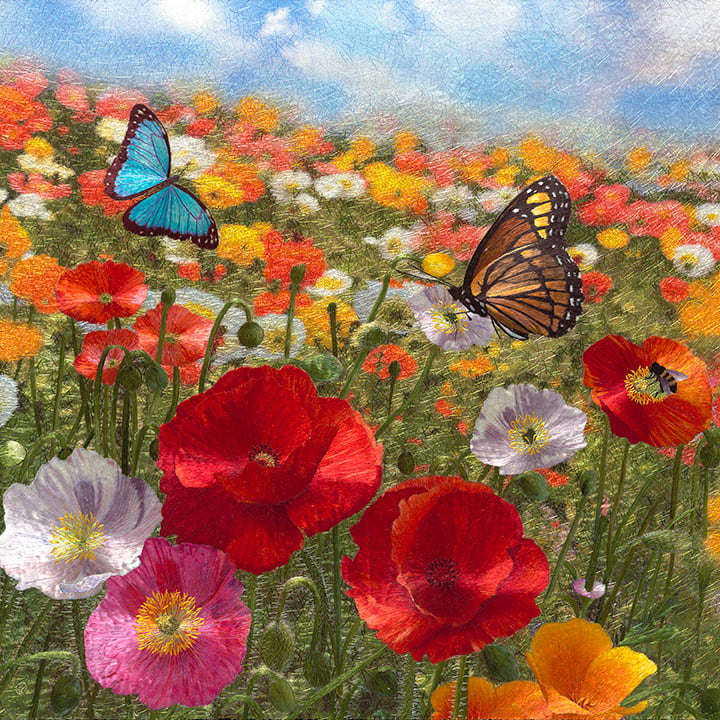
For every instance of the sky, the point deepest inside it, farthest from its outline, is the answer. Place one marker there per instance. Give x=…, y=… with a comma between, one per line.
x=581, y=69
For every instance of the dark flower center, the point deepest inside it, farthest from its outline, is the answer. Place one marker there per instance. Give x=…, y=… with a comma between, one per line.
x=171, y=339
x=442, y=574
x=105, y=298
x=263, y=455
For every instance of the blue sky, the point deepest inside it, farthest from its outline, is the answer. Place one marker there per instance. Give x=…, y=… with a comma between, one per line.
x=572, y=67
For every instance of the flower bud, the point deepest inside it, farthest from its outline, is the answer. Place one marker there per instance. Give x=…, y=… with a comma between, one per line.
x=588, y=482
x=65, y=453
x=322, y=368
x=500, y=663
x=167, y=297
x=282, y=696
x=156, y=378
x=710, y=702
x=710, y=455
x=12, y=453
x=316, y=668
x=437, y=264
x=65, y=695
x=406, y=462
x=128, y=376
x=154, y=450
x=394, y=369
x=369, y=336
x=533, y=485
x=276, y=645
x=712, y=435
x=297, y=274
x=250, y=334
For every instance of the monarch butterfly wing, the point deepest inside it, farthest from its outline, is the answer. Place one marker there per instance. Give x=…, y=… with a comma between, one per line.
x=538, y=214
x=533, y=289
x=176, y=212
x=144, y=158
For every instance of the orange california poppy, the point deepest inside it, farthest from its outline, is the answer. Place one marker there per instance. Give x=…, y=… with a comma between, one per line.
x=34, y=279
x=517, y=700
x=582, y=675
x=18, y=341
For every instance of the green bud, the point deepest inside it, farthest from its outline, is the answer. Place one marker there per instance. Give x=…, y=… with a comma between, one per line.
x=154, y=450
x=297, y=274
x=406, y=462
x=322, y=368
x=250, y=334
x=712, y=435
x=128, y=376
x=65, y=695
x=384, y=682
x=156, y=378
x=710, y=702
x=533, y=485
x=394, y=369
x=588, y=482
x=167, y=296
x=12, y=453
x=65, y=453
x=710, y=455
x=369, y=336
x=282, y=696
x=316, y=668
x=500, y=663
x=276, y=645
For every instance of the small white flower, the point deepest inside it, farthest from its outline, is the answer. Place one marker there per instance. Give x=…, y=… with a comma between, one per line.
x=457, y=199
x=332, y=282
x=79, y=522
x=494, y=200
x=340, y=185
x=364, y=300
x=178, y=251
x=44, y=166
x=585, y=255
x=393, y=242
x=111, y=129
x=8, y=398
x=447, y=323
x=7, y=297
x=3, y=195
x=273, y=345
x=29, y=205
x=708, y=214
x=191, y=155
x=287, y=184
x=693, y=260
x=522, y=428
x=306, y=204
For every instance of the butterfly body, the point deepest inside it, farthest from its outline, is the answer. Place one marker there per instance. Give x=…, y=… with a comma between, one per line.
x=141, y=171
x=521, y=275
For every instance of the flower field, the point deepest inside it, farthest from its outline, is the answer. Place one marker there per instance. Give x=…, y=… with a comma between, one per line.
x=296, y=476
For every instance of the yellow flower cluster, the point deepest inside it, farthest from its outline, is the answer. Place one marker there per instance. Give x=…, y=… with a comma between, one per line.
x=242, y=244
x=397, y=190
x=317, y=321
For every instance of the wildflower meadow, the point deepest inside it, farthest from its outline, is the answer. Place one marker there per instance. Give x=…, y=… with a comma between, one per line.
x=315, y=471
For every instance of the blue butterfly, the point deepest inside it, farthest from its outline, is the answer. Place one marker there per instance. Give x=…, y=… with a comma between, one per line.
x=142, y=170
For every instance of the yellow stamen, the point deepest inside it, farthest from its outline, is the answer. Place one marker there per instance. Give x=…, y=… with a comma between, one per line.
x=77, y=536
x=528, y=434
x=449, y=317
x=168, y=623
x=643, y=387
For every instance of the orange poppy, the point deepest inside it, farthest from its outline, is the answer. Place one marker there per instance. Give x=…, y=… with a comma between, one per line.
x=582, y=675
x=34, y=279
x=18, y=341
x=13, y=236
x=379, y=360
x=515, y=700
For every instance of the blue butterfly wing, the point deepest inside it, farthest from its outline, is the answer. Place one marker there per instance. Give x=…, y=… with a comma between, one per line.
x=175, y=212
x=144, y=158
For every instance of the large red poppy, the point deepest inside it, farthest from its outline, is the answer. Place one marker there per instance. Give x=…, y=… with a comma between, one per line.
x=442, y=568
x=259, y=460
x=97, y=291
x=639, y=409
x=86, y=363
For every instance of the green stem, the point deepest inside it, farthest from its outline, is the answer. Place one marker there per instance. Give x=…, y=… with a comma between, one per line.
x=78, y=629
x=354, y=370
x=638, y=593
x=391, y=394
x=408, y=688
x=175, y=394
x=32, y=713
x=59, y=382
x=332, y=316
x=112, y=443
x=213, y=334
x=590, y=576
x=125, y=432
x=294, y=287
x=334, y=684
x=337, y=596
x=161, y=334
x=105, y=421
x=579, y=509
x=592, y=566
x=348, y=641
x=97, y=385
x=139, y=437
x=34, y=397
x=615, y=514
x=436, y=678
x=434, y=350
x=706, y=491
x=459, y=685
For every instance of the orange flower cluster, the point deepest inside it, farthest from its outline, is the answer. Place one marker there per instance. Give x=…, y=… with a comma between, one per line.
x=397, y=190
x=34, y=279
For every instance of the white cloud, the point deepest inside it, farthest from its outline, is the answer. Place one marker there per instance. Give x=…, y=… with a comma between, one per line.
x=316, y=7
x=277, y=23
x=189, y=15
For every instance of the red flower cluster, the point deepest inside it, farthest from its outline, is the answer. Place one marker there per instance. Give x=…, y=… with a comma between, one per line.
x=595, y=286
x=378, y=361
x=92, y=190
x=282, y=254
x=259, y=460
x=442, y=568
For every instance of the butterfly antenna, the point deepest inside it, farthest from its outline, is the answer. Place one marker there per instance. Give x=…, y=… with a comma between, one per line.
x=418, y=273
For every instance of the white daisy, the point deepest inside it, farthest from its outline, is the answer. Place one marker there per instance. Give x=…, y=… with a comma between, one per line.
x=585, y=255
x=44, y=165
x=708, y=214
x=30, y=205
x=273, y=345
x=393, y=242
x=191, y=155
x=287, y=184
x=496, y=199
x=340, y=185
x=306, y=204
x=457, y=199
x=111, y=129
x=693, y=260
x=332, y=282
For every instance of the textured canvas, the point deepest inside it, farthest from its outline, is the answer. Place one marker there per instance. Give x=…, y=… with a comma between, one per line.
x=359, y=359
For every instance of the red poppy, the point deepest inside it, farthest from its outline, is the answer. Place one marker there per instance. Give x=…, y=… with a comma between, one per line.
x=259, y=460
x=378, y=361
x=86, y=363
x=412, y=162
x=654, y=218
x=282, y=254
x=633, y=397
x=200, y=127
x=117, y=103
x=37, y=185
x=267, y=303
x=186, y=334
x=595, y=286
x=92, y=189
x=431, y=579
x=674, y=289
x=97, y=291
x=607, y=207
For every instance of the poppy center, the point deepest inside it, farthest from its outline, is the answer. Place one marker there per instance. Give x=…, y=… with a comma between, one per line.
x=643, y=386
x=171, y=339
x=105, y=298
x=448, y=318
x=528, y=434
x=442, y=573
x=264, y=455
x=77, y=535
x=168, y=623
